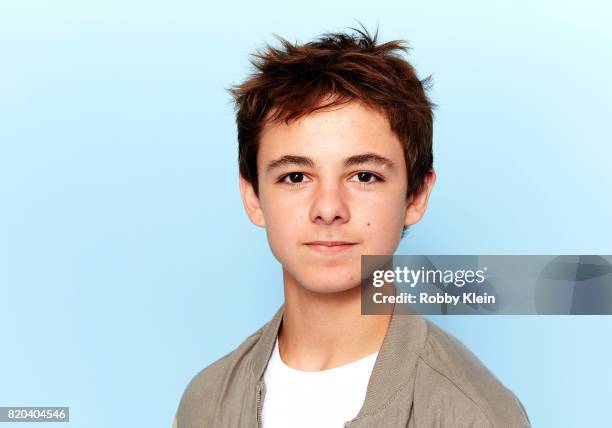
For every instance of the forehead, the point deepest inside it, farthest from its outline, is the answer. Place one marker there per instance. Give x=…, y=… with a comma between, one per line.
x=331, y=133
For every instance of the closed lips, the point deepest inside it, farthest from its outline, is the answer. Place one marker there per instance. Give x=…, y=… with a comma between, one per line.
x=330, y=243
x=330, y=247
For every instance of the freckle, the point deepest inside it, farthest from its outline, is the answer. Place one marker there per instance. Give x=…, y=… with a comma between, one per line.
x=368, y=224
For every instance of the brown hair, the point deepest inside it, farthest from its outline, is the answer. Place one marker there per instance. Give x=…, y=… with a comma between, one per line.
x=292, y=80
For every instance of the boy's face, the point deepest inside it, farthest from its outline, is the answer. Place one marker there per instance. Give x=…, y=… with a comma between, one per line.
x=332, y=186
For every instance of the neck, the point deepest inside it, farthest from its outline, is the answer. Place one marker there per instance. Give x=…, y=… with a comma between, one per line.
x=320, y=331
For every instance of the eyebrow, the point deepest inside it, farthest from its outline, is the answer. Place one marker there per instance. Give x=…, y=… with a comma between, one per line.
x=369, y=158
x=365, y=158
x=287, y=160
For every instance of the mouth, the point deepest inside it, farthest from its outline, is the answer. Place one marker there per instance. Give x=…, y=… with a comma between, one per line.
x=330, y=246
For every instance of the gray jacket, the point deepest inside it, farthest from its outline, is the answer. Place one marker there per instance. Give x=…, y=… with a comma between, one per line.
x=422, y=377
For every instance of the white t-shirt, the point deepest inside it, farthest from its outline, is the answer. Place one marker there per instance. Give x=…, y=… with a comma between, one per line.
x=323, y=399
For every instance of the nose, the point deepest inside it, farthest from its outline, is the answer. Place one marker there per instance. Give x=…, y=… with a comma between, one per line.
x=329, y=205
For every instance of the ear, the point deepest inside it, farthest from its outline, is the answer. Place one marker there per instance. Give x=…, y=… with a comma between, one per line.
x=251, y=202
x=416, y=206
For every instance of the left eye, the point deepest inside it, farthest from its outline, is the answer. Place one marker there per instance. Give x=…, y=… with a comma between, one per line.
x=366, y=177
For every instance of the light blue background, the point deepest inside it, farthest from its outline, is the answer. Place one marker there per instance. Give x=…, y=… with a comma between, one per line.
x=127, y=264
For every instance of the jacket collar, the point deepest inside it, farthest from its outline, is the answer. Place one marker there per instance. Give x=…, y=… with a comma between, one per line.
x=395, y=365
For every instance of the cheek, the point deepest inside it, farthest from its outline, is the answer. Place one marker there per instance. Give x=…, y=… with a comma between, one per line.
x=284, y=221
x=383, y=227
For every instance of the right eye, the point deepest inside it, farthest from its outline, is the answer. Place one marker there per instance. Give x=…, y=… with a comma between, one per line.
x=294, y=177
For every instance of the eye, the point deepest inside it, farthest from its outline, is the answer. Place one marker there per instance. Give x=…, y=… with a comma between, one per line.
x=294, y=179
x=365, y=177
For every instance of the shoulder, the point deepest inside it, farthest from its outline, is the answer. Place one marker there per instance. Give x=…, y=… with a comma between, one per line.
x=450, y=377
x=200, y=398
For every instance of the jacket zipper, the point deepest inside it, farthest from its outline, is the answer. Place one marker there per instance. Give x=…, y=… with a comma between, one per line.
x=261, y=391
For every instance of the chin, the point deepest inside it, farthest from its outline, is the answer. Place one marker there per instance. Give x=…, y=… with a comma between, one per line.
x=333, y=283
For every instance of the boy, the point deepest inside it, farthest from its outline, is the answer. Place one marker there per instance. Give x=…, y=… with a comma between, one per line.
x=335, y=155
